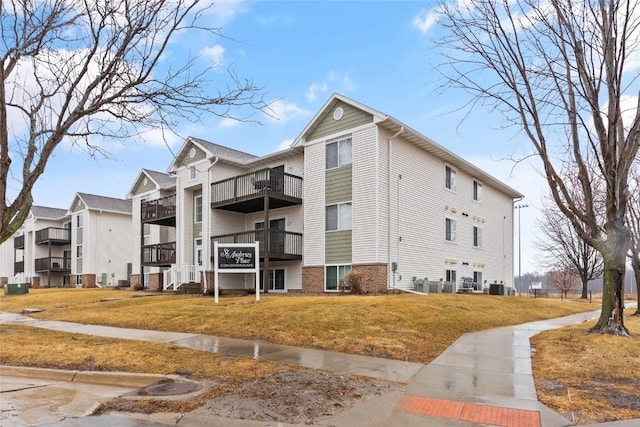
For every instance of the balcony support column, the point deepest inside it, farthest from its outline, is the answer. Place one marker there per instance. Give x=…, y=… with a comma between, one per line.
x=49, y=267
x=265, y=242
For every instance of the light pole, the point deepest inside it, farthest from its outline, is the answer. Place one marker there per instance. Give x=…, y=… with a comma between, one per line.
x=519, y=208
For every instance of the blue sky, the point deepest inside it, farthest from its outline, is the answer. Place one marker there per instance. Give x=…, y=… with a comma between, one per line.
x=301, y=52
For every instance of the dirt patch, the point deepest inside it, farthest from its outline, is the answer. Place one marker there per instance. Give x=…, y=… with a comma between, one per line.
x=302, y=396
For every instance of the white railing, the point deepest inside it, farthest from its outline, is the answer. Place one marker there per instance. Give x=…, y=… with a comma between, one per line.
x=178, y=275
x=19, y=278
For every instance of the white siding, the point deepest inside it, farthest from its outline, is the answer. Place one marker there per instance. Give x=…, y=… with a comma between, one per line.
x=366, y=206
x=314, y=227
x=108, y=245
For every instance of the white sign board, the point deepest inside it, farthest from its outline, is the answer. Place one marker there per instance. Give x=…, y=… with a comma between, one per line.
x=536, y=285
x=236, y=258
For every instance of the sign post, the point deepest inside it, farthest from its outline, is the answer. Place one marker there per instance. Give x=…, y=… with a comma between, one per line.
x=236, y=258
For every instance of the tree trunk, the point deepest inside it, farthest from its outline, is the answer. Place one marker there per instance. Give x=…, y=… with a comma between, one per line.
x=636, y=273
x=614, y=256
x=585, y=288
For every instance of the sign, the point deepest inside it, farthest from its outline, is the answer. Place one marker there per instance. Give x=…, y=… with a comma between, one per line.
x=236, y=257
x=536, y=285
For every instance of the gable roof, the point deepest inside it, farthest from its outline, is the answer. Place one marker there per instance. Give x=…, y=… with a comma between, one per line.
x=162, y=181
x=212, y=150
x=401, y=130
x=48, y=212
x=103, y=203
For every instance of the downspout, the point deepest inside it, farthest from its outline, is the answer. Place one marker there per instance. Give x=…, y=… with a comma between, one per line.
x=389, y=209
x=207, y=238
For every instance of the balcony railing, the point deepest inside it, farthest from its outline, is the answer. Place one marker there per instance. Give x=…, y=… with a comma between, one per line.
x=245, y=193
x=159, y=254
x=159, y=211
x=18, y=267
x=283, y=245
x=54, y=235
x=18, y=242
x=53, y=264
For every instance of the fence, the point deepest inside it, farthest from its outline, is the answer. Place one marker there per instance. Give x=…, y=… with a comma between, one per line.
x=559, y=294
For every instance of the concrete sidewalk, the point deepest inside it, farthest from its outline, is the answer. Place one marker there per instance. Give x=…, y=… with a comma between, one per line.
x=484, y=378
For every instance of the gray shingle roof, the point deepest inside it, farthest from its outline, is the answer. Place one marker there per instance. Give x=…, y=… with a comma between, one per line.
x=47, y=212
x=164, y=180
x=93, y=201
x=225, y=153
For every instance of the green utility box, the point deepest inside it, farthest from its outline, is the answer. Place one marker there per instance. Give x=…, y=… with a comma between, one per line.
x=16, y=288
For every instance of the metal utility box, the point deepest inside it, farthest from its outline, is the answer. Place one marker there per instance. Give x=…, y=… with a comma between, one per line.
x=496, y=289
x=16, y=288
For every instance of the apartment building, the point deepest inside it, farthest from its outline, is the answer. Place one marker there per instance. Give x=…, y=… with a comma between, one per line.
x=357, y=191
x=88, y=245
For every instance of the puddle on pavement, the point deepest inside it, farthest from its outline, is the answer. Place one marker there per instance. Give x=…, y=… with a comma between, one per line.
x=167, y=387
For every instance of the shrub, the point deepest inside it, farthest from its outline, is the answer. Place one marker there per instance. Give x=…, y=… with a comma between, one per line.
x=352, y=282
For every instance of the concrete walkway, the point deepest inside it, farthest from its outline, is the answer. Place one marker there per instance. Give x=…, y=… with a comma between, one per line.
x=483, y=379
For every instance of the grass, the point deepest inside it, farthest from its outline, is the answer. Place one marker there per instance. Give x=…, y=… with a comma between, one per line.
x=590, y=377
x=403, y=327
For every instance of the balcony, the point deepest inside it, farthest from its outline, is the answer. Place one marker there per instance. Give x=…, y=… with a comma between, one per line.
x=246, y=193
x=161, y=254
x=53, y=236
x=283, y=245
x=53, y=265
x=18, y=242
x=18, y=267
x=160, y=211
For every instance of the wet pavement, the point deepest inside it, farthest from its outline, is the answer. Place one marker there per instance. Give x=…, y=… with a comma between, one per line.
x=483, y=379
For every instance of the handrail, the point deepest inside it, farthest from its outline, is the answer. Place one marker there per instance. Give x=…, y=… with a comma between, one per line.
x=163, y=207
x=280, y=241
x=255, y=183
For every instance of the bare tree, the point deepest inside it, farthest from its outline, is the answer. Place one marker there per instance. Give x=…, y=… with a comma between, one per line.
x=560, y=71
x=562, y=249
x=633, y=215
x=86, y=71
x=564, y=281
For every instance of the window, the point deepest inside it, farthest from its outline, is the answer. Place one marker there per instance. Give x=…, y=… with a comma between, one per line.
x=450, y=230
x=197, y=209
x=79, y=251
x=338, y=217
x=477, y=278
x=276, y=280
x=197, y=246
x=338, y=153
x=450, y=178
x=79, y=221
x=477, y=237
x=477, y=191
x=78, y=279
x=450, y=276
x=333, y=275
x=192, y=172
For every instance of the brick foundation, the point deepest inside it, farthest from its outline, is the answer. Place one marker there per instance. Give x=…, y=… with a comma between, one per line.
x=35, y=282
x=374, y=277
x=3, y=281
x=312, y=280
x=134, y=281
x=89, y=281
x=155, y=282
x=210, y=282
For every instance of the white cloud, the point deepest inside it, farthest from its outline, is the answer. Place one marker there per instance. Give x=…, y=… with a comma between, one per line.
x=285, y=144
x=214, y=53
x=341, y=82
x=222, y=12
x=229, y=123
x=426, y=19
x=282, y=111
x=314, y=90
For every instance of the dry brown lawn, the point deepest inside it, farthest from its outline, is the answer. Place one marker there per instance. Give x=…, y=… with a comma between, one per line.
x=403, y=327
x=589, y=377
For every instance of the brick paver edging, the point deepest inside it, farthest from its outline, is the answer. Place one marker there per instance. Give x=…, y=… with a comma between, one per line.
x=473, y=412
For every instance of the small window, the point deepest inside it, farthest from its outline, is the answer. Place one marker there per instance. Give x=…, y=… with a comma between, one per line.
x=450, y=230
x=197, y=209
x=78, y=279
x=79, y=251
x=338, y=217
x=450, y=178
x=450, y=276
x=276, y=280
x=333, y=274
x=477, y=237
x=192, y=172
x=79, y=221
x=477, y=191
x=338, y=153
x=477, y=278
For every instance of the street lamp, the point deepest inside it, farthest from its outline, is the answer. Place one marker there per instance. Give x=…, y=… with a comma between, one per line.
x=519, y=208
